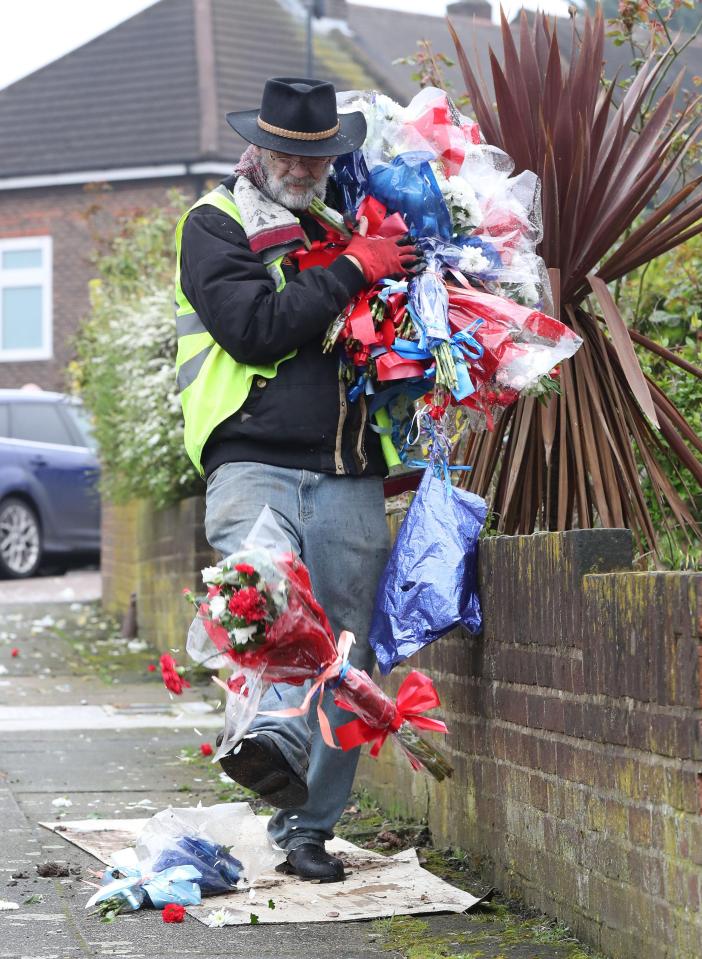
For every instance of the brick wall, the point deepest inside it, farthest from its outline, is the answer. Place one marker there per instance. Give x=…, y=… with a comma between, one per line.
x=77, y=218
x=119, y=555
x=155, y=554
x=576, y=730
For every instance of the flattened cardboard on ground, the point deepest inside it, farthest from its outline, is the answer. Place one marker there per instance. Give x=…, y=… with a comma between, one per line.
x=376, y=886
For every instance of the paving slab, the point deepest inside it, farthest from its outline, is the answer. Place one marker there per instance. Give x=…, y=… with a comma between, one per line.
x=77, y=586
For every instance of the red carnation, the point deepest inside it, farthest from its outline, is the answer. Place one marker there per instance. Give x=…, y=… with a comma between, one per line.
x=205, y=749
x=14, y=652
x=173, y=912
x=245, y=568
x=151, y=668
x=171, y=677
x=248, y=604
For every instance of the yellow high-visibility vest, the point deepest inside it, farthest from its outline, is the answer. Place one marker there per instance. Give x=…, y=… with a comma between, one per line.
x=211, y=383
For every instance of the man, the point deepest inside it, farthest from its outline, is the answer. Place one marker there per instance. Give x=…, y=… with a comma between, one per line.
x=268, y=421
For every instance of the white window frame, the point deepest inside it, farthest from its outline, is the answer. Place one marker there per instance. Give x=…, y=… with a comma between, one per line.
x=30, y=276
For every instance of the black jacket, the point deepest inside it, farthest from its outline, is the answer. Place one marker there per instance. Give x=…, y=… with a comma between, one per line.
x=301, y=418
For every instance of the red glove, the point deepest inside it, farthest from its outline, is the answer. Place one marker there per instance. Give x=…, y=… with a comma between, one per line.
x=381, y=257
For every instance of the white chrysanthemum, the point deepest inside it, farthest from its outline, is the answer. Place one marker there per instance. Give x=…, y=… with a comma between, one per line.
x=218, y=605
x=211, y=574
x=464, y=203
x=243, y=635
x=473, y=261
x=219, y=918
x=460, y=198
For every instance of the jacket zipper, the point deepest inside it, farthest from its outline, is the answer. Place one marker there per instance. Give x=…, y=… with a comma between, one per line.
x=361, y=458
x=343, y=409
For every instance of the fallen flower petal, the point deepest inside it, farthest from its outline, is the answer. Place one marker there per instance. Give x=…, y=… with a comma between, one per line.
x=14, y=651
x=5, y=905
x=151, y=667
x=205, y=749
x=61, y=801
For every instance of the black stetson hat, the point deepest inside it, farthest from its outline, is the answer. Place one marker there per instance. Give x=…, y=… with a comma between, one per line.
x=299, y=116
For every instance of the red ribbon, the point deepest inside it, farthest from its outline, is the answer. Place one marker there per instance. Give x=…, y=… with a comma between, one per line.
x=379, y=224
x=415, y=696
x=321, y=252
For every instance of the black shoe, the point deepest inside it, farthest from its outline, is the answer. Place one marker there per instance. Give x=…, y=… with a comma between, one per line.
x=312, y=862
x=259, y=765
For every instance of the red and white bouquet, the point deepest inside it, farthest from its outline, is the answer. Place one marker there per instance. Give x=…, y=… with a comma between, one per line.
x=261, y=620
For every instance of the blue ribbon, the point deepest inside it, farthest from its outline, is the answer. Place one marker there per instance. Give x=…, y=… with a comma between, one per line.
x=440, y=467
x=464, y=350
x=340, y=678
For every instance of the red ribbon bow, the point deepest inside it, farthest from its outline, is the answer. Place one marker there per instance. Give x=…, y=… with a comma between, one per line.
x=415, y=696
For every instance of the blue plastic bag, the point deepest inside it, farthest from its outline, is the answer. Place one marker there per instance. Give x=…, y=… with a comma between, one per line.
x=408, y=186
x=430, y=583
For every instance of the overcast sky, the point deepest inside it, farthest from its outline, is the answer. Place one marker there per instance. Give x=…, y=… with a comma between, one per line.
x=35, y=32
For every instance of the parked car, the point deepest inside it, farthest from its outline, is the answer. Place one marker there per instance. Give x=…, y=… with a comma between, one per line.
x=49, y=499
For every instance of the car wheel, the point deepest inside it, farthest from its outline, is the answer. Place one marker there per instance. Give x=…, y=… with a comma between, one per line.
x=20, y=539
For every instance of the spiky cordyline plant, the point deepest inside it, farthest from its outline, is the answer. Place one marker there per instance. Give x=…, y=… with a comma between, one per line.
x=578, y=461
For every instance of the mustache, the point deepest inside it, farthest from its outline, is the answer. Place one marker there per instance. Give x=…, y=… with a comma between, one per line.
x=308, y=182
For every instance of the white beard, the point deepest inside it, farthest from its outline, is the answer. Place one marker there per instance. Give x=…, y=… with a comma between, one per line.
x=278, y=189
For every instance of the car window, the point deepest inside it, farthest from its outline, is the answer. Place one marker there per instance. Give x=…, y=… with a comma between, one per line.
x=39, y=423
x=4, y=420
x=81, y=421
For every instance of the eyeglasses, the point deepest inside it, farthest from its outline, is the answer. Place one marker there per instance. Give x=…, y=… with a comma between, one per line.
x=311, y=164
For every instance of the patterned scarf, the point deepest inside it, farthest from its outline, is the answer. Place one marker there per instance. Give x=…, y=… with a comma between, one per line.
x=271, y=229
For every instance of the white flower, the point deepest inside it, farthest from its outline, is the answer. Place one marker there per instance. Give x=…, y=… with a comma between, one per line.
x=61, y=802
x=243, y=635
x=220, y=917
x=218, y=605
x=211, y=574
x=6, y=905
x=460, y=198
x=473, y=261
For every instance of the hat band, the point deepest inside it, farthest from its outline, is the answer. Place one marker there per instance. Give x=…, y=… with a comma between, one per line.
x=296, y=135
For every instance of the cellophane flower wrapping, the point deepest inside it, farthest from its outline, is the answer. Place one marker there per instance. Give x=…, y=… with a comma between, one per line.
x=351, y=176
x=297, y=635
x=184, y=854
x=226, y=843
x=299, y=644
x=127, y=888
x=430, y=583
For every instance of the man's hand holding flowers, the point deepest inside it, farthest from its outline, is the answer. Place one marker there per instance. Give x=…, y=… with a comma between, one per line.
x=381, y=258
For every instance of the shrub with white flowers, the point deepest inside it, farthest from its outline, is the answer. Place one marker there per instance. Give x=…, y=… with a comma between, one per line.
x=125, y=372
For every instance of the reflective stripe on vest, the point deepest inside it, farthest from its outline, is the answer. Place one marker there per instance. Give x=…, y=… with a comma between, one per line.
x=212, y=385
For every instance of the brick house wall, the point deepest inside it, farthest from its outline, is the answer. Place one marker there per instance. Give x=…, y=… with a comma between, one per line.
x=77, y=218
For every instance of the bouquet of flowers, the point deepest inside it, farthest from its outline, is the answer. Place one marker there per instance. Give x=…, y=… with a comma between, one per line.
x=286, y=637
x=184, y=854
x=473, y=330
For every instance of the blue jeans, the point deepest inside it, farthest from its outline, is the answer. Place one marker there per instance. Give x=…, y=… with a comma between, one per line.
x=337, y=526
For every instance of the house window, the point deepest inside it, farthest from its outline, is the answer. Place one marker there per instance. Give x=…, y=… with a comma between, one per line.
x=25, y=299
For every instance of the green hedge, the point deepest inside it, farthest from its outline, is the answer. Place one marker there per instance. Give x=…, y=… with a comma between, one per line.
x=126, y=360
